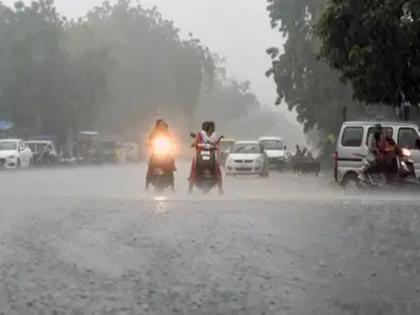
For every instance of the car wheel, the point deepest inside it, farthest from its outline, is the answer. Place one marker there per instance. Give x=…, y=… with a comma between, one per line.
x=351, y=181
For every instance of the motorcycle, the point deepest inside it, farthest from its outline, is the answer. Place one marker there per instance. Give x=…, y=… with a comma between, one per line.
x=206, y=165
x=399, y=173
x=162, y=165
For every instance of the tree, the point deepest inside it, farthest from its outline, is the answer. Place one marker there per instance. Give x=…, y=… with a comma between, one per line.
x=113, y=70
x=227, y=100
x=152, y=71
x=33, y=56
x=305, y=83
x=375, y=45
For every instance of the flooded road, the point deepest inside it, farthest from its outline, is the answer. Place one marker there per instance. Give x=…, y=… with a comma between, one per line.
x=90, y=240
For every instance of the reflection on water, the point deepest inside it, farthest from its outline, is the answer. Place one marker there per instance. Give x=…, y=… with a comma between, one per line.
x=160, y=205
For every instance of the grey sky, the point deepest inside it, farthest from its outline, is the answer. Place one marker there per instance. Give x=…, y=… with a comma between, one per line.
x=237, y=30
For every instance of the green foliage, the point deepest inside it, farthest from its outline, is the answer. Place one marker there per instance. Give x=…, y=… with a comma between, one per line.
x=375, y=45
x=113, y=70
x=33, y=64
x=306, y=84
x=153, y=71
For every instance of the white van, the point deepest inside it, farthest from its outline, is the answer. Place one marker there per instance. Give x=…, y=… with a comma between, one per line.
x=352, y=145
x=276, y=151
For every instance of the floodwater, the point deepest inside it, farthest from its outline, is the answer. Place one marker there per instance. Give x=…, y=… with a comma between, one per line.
x=91, y=240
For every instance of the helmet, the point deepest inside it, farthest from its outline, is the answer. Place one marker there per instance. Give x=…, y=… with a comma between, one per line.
x=205, y=126
x=159, y=122
x=377, y=130
x=212, y=125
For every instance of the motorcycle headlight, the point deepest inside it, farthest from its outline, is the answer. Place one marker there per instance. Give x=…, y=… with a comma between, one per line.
x=406, y=152
x=162, y=146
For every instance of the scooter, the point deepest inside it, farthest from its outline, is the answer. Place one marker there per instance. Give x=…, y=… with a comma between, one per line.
x=206, y=165
x=399, y=175
x=162, y=165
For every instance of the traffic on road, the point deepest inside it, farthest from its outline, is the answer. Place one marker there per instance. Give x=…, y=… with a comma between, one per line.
x=209, y=157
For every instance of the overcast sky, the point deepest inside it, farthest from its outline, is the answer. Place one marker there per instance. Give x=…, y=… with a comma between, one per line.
x=237, y=30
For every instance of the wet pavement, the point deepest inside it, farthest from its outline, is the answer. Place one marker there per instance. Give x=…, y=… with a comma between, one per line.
x=91, y=241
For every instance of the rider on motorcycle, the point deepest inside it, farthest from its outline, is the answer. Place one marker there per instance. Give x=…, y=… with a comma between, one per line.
x=207, y=135
x=161, y=129
x=377, y=146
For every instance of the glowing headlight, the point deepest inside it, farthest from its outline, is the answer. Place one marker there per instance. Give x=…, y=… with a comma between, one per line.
x=406, y=152
x=162, y=146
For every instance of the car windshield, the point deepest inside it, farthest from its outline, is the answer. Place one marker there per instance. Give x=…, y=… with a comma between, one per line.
x=246, y=148
x=8, y=145
x=272, y=144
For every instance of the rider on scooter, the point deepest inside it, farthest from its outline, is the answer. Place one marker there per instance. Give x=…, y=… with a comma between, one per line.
x=376, y=152
x=161, y=129
x=207, y=135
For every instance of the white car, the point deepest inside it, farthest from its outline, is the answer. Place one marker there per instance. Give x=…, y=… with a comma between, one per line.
x=275, y=150
x=14, y=153
x=247, y=158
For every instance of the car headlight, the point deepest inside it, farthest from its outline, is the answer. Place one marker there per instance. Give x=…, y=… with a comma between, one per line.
x=11, y=157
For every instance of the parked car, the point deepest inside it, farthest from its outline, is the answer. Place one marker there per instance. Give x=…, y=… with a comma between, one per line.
x=132, y=151
x=352, y=146
x=275, y=150
x=247, y=158
x=37, y=147
x=225, y=149
x=14, y=153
